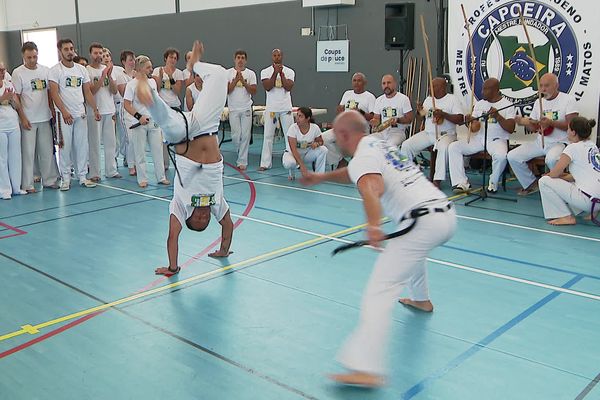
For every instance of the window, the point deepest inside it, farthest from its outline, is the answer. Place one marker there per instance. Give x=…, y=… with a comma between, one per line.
x=45, y=39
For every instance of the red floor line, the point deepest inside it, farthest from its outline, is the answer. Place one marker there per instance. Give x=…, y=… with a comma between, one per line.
x=194, y=258
x=11, y=228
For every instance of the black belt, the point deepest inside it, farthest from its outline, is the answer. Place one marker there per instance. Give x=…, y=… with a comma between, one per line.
x=594, y=201
x=413, y=214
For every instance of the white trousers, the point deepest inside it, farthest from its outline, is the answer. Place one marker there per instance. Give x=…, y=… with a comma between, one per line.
x=497, y=149
x=151, y=134
x=37, y=144
x=75, y=139
x=241, y=129
x=422, y=140
x=393, y=138
x=334, y=153
x=206, y=112
x=104, y=128
x=561, y=198
x=402, y=264
x=287, y=119
x=125, y=143
x=10, y=161
x=518, y=158
x=318, y=156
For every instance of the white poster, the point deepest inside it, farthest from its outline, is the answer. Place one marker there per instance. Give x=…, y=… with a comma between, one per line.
x=333, y=55
x=565, y=35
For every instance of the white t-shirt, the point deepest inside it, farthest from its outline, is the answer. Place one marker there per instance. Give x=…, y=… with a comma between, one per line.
x=9, y=119
x=117, y=72
x=7, y=76
x=186, y=74
x=363, y=101
x=239, y=99
x=405, y=186
x=585, y=166
x=104, y=99
x=556, y=109
x=449, y=104
x=32, y=86
x=278, y=99
x=70, y=83
x=195, y=95
x=395, y=107
x=130, y=94
x=495, y=131
x=303, y=140
x=166, y=93
x=202, y=183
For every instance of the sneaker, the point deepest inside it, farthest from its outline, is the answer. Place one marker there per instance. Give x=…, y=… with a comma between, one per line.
x=492, y=187
x=95, y=179
x=461, y=187
x=6, y=196
x=64, y=186
x=87, y=183
x=20, y=192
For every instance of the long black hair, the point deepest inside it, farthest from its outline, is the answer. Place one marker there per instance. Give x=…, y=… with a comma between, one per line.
x=582, y=126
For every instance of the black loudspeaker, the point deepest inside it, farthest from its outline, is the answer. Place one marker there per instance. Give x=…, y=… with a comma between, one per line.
x=400, y=26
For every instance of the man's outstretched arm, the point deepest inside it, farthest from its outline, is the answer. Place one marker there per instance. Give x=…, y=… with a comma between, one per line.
x=226, y=236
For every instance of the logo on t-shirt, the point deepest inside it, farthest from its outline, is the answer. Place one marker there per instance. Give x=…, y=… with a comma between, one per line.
x=203, y=200
x=389, y=112
x=240, y=83
x=278, y=83
x=166, y=85
x=73, y=81
x=106, y=81
x=552, y=115
x=594, y=158
x=38, y=84
x=352, y=105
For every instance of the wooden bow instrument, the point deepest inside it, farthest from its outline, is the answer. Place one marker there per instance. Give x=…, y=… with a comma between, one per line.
x=473, y=66
x=537, y=75
x=430, y=76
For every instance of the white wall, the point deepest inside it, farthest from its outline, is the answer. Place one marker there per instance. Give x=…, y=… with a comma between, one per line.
x=103, y=10
x=33, y=14
x=194, y=5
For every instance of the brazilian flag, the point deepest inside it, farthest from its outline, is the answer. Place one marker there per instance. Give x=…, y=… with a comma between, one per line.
x=519, y=69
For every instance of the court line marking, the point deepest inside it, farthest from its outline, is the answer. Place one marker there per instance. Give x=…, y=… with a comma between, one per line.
x=489, y=221
x=34, y=329
x=483, y=343
x=440, y=262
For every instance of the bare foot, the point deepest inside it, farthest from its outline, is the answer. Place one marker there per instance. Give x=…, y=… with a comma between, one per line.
x=220, y=254
x=359, y=379
x=419, y=305
x=533, y=188
x=568, y=220
x=291, y=177
x=143, y=184
x=242, y=167
x=260, y=169
x=132, y=172
x=166, y=271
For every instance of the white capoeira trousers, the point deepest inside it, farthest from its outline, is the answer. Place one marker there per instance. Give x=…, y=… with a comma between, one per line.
x=422, y=140
x=287, y=119
x=561, y=198
x=241, y=129
x=334, y=153
x=105, y=129
x=497, y=149
x=206, y=113
x=151, y=134
x=37, y=144
x=10, y=161
x=75, y=137
x=125, y=141
x=318, y=156
x=402, y=264
x=517, y=158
